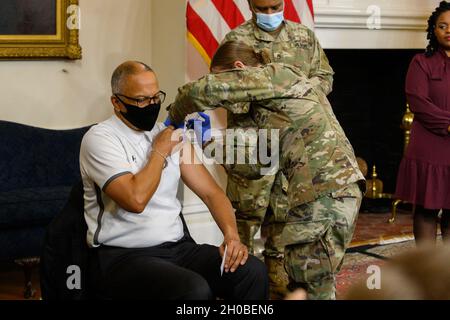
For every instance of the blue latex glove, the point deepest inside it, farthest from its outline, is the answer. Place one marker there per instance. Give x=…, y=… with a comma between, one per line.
x=201, y=126
x=169, y=122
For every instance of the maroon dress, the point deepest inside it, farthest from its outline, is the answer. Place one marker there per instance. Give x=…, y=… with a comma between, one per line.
x=424, y=174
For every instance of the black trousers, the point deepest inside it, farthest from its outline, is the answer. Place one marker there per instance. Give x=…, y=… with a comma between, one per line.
x=173, y=271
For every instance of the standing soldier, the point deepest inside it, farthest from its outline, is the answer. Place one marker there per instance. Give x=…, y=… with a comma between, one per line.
x=263, y=201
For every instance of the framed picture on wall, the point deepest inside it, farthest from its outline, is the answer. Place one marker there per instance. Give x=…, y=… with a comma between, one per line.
x=39, y=29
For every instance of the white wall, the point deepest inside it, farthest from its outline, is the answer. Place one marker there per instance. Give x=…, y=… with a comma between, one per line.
x=39, y=92
x=169, y=45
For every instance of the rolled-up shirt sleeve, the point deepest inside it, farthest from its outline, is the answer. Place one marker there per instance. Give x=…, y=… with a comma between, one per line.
x=103, y=159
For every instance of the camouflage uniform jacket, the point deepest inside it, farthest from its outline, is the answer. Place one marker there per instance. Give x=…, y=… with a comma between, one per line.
x=295, y=45
x=316, y=156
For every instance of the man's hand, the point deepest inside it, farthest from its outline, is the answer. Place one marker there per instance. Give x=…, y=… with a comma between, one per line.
x=237, y=253
x=166, y=141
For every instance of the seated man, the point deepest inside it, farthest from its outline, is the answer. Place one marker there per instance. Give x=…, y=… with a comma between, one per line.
x=322, y=181
x=140, y=246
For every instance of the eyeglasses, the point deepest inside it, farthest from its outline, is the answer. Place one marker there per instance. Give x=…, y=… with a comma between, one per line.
x=160, y=97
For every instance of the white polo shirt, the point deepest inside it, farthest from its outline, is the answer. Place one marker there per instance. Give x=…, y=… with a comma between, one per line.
x=108, y=151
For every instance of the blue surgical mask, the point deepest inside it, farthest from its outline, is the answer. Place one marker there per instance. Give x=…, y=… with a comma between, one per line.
x=269, y=22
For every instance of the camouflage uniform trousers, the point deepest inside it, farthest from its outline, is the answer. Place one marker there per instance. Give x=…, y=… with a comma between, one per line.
x=258, y=204
x=317, y=235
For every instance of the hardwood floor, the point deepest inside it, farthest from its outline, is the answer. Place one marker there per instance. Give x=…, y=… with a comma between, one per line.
x=12, y=282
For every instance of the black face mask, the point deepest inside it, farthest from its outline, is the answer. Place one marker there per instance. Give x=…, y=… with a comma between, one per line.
x=142, y=118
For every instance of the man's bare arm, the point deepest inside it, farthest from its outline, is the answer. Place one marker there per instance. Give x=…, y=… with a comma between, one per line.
x=200, y=181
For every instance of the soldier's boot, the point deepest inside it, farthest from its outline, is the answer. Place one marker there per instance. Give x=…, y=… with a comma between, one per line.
x=278, y=278
x=247, y=230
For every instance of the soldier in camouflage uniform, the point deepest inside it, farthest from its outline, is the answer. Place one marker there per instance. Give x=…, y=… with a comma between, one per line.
x=320, y=175
x=261, y=201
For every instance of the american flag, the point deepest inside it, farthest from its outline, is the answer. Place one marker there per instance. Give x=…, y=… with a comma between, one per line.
x=208, y=21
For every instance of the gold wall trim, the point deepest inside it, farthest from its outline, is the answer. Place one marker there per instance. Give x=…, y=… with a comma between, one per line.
x=63, y=45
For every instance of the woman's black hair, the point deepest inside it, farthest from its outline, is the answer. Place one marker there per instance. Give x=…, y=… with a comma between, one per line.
x=433, y=45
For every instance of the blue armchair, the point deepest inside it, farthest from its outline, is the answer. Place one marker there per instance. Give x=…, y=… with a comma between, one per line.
x=38, y=168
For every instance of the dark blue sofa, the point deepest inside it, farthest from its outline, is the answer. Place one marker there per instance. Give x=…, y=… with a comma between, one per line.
x=38, y=168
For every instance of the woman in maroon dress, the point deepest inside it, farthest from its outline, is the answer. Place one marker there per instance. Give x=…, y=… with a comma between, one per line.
x=424, y=174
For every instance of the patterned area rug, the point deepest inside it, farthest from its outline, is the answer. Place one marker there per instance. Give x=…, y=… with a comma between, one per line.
x=359, y=259
x=374, y=242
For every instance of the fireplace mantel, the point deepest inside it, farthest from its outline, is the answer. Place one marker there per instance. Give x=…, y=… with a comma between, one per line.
x=352, y=24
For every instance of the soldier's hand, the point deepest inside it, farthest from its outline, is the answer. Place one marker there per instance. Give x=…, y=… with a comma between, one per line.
x=237, y=254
